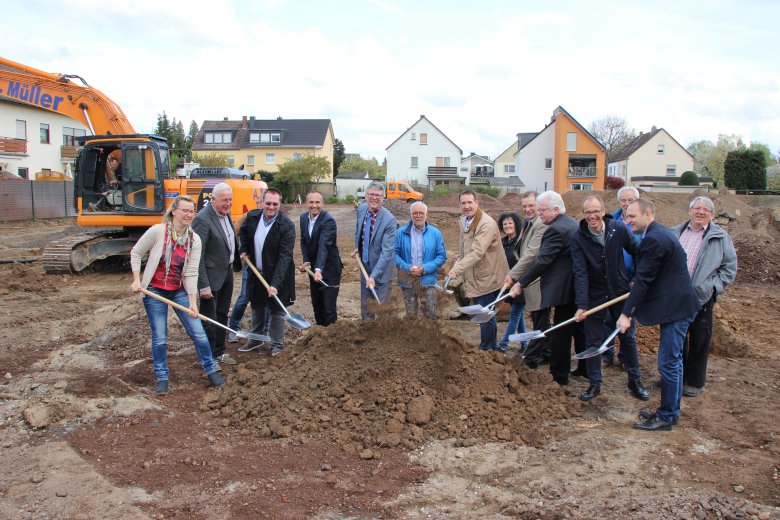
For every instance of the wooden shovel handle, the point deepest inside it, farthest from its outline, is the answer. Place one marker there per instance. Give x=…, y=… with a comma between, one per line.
x=311, y=273
x=169, y=302
x=362, y=268
x=606, y=304
x=257, y=273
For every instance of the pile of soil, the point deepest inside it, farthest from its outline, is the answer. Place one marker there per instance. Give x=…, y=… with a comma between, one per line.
x=492, y=205
x=392, y=382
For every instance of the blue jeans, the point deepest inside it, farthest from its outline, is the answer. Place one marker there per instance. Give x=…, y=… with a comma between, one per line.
x=670, y=366
x=239, y=308
x=488, y=331
x=516, y=323
x=157, y=312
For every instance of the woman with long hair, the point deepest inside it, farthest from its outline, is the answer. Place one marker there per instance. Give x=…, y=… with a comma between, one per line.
x=172, y=272
x=510, y=224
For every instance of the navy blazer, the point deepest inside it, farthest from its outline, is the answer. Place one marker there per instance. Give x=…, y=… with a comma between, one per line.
x=215, y=253
x=553, y=263
x=320, y=249
x=662, y=291
x=381, y=247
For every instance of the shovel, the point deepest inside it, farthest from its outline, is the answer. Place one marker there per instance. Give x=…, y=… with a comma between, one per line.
x=444, y=289
x=324, y=285
x=365, y=275
x=486, y=316
x=294, y=319
x=536, y=334
x=246, y=335
x=595, y=351
x=486, y=309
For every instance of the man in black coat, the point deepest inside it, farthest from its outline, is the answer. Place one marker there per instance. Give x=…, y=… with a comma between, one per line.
x=215, y=275
x=661, y=293
x=268, y=241
x=556, y=281
x=600, y=275
x=321, y=255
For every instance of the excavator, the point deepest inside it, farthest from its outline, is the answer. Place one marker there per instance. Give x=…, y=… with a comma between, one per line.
x=116, y=207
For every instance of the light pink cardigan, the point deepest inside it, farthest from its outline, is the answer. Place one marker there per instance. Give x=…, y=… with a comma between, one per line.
x=152, y=241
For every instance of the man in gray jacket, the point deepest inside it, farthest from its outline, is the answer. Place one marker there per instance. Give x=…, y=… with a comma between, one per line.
x=712, y=264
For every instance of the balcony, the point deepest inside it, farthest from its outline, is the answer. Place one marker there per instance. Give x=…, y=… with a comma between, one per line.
x=68, y=153
x=10, y=145
x=582, y=171
x=435, y=172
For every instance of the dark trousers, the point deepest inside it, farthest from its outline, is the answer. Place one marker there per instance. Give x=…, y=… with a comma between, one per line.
x=560, y=342
x=323, y=300
x=696, y=349
x=217, y=308
x=538, y=351
x=600, y=325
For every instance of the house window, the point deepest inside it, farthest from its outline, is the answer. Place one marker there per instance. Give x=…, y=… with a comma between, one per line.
x=254, y=138
x=587, y=186
x=44, y=133
x=414, y=162
x=509, y=168
x=442, y=161
x=250, y=160
x=671, y=170
x=414, y=136
x=276, y=137
x=423, y=138
x=21, y=129
x=23, y=172
x=231, y=160
x=660, y=149
x=548, y=163
x=571, y=141
x=265, y=138
x=69, y=135
x=218, y=138
x=296, y=156
x=270, y=158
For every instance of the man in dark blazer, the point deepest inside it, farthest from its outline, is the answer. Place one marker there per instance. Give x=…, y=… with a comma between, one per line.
x=321, y=255
x=375, y=247
x=215, y=276
x=268, y=241
x=661, y=293
x=552, y=267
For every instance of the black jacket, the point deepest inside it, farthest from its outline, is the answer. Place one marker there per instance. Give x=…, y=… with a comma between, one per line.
x=278, y=267
x=600, y=272
x=320, y=248
x=553, y=263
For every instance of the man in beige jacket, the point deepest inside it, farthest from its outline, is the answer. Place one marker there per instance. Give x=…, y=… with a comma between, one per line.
x=481, y=261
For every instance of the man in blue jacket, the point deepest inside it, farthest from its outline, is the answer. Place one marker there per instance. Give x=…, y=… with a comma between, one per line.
x=661, y=294
x=600, y=275
x=419, y=253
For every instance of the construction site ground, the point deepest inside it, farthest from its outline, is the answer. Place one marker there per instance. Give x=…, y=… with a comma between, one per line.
x=392, y=418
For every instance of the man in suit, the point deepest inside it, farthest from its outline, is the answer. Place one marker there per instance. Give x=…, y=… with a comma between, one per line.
x=215, y=276
x=661, y=293
x=528, y=248
x=268, y=241
x=321, y=254
x=375, y=247
x=556, y=281
x=481, y=262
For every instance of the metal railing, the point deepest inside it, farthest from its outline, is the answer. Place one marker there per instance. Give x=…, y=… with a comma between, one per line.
x=24, y=200
x=582, y=171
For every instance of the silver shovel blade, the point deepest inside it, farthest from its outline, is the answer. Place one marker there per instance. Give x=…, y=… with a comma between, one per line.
x=297, y=321
x=596, y=351
x=484, y=317
x=251, y=336
x=472, y=309
x=526, y=336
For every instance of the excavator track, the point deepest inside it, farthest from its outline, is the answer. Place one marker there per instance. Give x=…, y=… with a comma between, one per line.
x=85, y=253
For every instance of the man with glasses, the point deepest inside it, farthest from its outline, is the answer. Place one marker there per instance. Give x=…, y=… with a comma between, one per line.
x=375, y=230
x=553, y=268
x=268, y=241
x=215, y=276
x=712, y=264
x=600, y=275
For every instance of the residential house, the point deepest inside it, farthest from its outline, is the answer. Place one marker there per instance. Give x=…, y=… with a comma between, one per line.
x=505, y=163
x=563, y=156
x=476, y=166
x=424, y=155
x=352, y=183
x=34, y=140
x=654, y=158
x=265, y=144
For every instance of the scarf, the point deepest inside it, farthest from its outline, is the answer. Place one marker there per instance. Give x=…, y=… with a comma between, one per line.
x=171, y=241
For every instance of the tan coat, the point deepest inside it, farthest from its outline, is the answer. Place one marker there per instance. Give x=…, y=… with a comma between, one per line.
x=481, y=260
x=528, y=249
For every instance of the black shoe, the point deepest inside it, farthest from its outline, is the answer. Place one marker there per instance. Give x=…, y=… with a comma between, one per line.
x=692, y=391
x=216, y=379
x=638, y=390
x=590, y=393
x=653, y=424
x=578, y=372
x=161, y=388
x=647, y=414
x=563, y=381
x=530, y=364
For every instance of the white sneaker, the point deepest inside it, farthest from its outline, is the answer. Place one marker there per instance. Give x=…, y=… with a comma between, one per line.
x=226, y=359
x=249, y=346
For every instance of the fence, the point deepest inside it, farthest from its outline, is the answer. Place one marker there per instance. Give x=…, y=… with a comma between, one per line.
x=24, y=200
x=674, y=189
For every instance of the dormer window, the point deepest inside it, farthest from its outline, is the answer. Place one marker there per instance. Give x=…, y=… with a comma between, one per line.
x=218, y=138
x=265, y=137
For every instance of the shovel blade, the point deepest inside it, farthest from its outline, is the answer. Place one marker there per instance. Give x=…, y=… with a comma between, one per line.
x=484, y=317
x=472, y=309
x=251, y=336
x=596, y=351
x=297, y=321
x=526, y=336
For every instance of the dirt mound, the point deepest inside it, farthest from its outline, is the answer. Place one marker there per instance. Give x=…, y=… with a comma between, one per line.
x=391, y=382
x=489, y=204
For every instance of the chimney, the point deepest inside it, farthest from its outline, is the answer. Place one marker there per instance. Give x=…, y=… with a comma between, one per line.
x=279, y=118
x=225, y=119
x=243, y=122
x=653, y=129
x=252, y=120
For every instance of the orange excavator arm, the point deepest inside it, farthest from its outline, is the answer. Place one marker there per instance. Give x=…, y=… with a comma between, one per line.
x=58, y=93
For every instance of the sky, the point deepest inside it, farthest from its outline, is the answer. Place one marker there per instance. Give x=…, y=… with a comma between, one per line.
x=480, y=71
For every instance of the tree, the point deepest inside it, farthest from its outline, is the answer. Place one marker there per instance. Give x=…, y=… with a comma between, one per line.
x=163, y=128
x=688, y=178
x=745, y=170
x=614, y=183
x=769, y=159
x=338, y=156
x=709, y=159
x=211, y=160
x=613, y=132
x=358, y=164
x=773, y=177
x=295, y=174
x=191, y=136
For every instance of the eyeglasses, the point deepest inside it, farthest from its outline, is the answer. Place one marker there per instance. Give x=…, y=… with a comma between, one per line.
x=186, y=210
x=626, y=201
x=592, y=212
x=703, y=209
x=272, y=204
x=542, y=210
x=373, y=195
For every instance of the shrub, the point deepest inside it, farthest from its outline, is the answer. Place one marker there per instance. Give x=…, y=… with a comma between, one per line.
x=745, y=170
x=688, y=178
x=614, y=183
x=440, y=192
x=493, y=192
x=349, y=199
x=332, y=200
